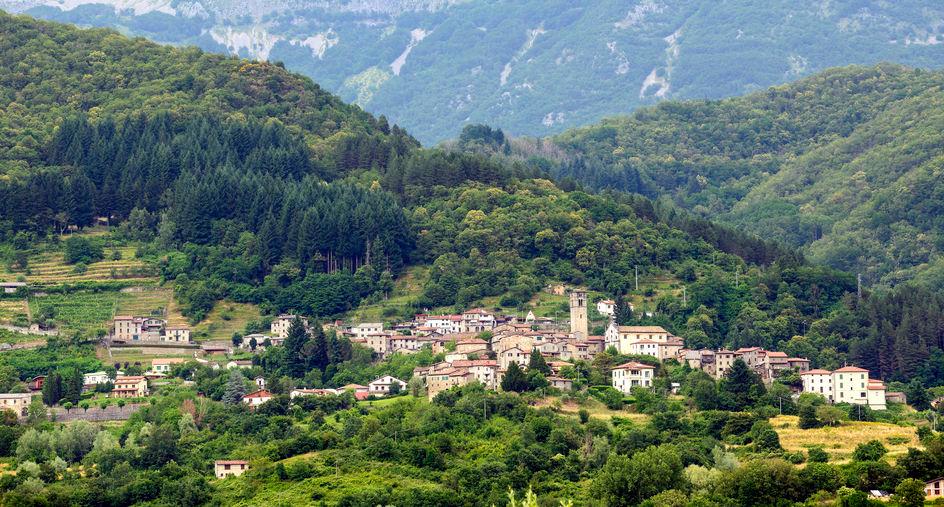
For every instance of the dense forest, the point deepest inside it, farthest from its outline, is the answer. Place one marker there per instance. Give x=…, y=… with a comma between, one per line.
x=844, y=163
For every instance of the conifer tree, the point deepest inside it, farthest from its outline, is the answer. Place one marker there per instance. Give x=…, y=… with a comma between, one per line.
x=235, y=388
x=515, y=379
x=537, y=362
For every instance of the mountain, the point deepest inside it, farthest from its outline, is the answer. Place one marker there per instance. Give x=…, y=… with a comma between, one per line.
x=846, y=164
x=534, y=67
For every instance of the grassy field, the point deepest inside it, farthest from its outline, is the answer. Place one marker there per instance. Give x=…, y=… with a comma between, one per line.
x=841, y=441
x=596, y=409
x=12, y=310
x=85, y=311
x=225, y=319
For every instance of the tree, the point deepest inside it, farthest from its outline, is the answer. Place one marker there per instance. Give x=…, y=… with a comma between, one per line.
x=515, y=380
x=917, y=395
x=237, y=340
x=808, y=418
x=909, y=493
x=742, y=385
x=235, y=388
x=873, y=450
x=52, y=389
x=79, y=249
x=623, y=313
x=72, y=383
x=627, y=481
x=816, y=454
x=830, y=415
x=537, y=362
x=294, y=343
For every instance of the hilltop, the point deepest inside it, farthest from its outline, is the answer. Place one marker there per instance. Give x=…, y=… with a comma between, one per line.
x=532, y=67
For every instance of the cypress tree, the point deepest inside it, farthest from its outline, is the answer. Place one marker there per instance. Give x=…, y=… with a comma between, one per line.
x=515, y=380
x=537, y=362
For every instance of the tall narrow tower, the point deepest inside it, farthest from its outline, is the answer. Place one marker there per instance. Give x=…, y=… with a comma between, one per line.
x=579, y=326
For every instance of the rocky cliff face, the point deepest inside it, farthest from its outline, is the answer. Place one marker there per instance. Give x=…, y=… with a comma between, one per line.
x=532, y=67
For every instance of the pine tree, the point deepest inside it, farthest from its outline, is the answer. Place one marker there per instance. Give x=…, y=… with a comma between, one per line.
x=623, y=314
x=235, y=388
x=294, y=343
x=515, y=380
x=744, y=386
x=537, y=362
x=72, y=383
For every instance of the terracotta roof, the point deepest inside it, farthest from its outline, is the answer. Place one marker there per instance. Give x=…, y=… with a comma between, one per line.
x=473, y=341
x=634, y=365
x=641, y=329
x=230, y=462
x=168, y=360
x=465, y=363
x=853, y=369
x=817, y=372
x=876, y=387
x=776, y=354
x=262, y=393
x=798, y=359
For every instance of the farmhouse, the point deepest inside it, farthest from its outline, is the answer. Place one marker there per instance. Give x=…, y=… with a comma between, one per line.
x=256, y=398
x=130, y=387
x=17, y=403
x=934, y=488
x=381, y=386
x=229, y=467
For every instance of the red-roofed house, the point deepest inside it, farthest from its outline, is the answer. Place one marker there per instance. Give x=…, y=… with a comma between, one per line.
x=256, y=398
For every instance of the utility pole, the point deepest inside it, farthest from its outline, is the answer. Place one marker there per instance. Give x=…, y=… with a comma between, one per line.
x=859, y=285
x=737, y=276
x=637, y=277
x=684, y=296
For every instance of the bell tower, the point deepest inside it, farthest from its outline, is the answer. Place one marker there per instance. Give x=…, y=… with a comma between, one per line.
x=579, y=326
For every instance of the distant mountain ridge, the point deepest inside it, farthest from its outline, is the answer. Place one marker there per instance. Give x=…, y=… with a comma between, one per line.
x=531, y=67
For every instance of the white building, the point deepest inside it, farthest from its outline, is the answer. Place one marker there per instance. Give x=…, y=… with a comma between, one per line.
x=621, y=337
x=364, y=329
x=849, y=384
x=95, y=378
x=229, y=467
x=606, y=307
x=381, y=386
x=164, y=365
x=632, y=374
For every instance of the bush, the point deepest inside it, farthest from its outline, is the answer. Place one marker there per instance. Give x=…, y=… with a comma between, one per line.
x=817, y=455
x=872, y=450
x=79, y=249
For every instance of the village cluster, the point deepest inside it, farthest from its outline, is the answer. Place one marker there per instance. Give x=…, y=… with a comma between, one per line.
x=469, y=358
x=480, y=346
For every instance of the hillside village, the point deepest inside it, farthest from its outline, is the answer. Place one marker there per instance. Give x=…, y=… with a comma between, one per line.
x=480, y=346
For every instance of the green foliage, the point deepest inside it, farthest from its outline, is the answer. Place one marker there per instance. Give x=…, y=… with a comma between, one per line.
x=872, y=450
x=83, y=250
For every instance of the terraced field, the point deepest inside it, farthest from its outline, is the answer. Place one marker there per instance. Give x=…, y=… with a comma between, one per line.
x=85, y=312
x=11, y=309
x=50, y=268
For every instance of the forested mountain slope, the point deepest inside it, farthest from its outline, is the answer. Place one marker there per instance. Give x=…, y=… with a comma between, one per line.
x=846, y=164
x=531, y=67
x=256, y=187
